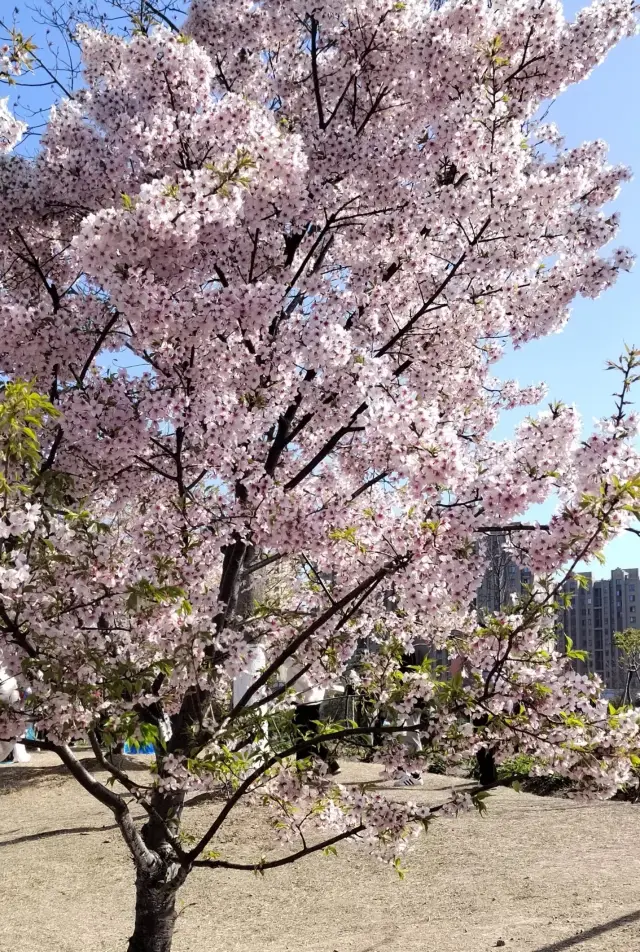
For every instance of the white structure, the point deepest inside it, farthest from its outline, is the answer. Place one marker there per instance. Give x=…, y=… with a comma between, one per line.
x=9, y=695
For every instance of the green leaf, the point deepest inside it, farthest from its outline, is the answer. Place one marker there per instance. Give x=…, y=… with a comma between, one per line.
x=172, y=191
x=478, y=799
x=211, y=854
x=398, y=868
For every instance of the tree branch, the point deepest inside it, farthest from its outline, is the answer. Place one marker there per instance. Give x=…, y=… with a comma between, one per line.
x=512, y=527
x=331, y=443
x=93, y=353
x=314, y=71
x=248, y=782
x=285, y=860
x=369, y=483
x=262, y=564
x=162, y=16
x=52, y=291
x=142, y=855
x=436, y=294
x=133, y=789
x=284, y=432
x=297, y=642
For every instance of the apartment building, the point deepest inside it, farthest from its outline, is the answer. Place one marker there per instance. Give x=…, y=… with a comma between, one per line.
x=503, y=577
x=597, y=611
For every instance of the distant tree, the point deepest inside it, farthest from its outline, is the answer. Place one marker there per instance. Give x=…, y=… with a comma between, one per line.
x=628, y=645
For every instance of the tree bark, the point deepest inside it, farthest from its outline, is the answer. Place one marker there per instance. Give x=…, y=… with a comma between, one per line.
x=155, y=915
x=485, y=759
x=156, y=891
x=487, y=770
x=626, y=698
x=157, y=887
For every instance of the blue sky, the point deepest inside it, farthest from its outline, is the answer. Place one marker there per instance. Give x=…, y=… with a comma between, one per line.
x=605, y=106
x=573, y=363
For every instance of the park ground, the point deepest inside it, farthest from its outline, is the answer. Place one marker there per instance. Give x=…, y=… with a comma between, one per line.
x=535, y=874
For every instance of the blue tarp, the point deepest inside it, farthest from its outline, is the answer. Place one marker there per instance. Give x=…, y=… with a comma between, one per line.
x=145, y=749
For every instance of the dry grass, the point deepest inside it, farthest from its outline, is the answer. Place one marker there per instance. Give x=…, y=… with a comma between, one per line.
x=542, y=875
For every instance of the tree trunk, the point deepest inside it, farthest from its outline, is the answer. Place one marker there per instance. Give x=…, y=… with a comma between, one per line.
x=487, y=770
x=155, y=916
x=157, y=889
x=626, y=697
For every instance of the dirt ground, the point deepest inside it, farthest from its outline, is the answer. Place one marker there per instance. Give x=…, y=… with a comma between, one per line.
x=539, y=875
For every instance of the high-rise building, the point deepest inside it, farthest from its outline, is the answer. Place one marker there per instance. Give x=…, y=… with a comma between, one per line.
x=598, y=610
x=503, y=577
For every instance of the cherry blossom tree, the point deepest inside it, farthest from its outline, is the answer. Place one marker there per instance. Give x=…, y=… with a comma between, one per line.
x=255, y=281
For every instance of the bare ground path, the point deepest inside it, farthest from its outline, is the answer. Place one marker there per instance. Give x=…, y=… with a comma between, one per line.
x=542, y=875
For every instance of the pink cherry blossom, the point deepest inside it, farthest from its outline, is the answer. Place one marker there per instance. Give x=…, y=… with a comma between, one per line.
x=262, y=271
